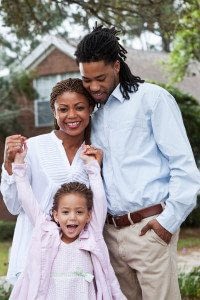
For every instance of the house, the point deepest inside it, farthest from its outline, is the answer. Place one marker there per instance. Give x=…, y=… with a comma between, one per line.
x=53, y=60
x=149, y=65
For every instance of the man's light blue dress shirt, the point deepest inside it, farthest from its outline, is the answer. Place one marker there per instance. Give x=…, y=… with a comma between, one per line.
x=147, y=155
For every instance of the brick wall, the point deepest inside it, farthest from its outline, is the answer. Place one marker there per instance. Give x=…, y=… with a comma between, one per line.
x=57, y=62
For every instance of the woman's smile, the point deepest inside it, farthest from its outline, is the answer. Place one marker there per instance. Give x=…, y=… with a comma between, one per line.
x=72, y=113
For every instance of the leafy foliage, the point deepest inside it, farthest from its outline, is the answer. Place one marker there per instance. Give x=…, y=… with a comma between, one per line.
x=186, y=45
x=5, y=291
x=18, y=85
x=30, y=18
x=189, y=283
x=194, y=217
x=7, y=230
x=176, y=22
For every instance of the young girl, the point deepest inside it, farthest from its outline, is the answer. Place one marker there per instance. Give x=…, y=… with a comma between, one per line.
x=67, y=258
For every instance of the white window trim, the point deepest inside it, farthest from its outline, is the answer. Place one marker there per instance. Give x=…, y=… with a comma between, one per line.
x=36, y=115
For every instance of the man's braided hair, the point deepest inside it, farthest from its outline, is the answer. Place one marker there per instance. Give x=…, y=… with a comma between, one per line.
x=103, y=44
x=71, y=85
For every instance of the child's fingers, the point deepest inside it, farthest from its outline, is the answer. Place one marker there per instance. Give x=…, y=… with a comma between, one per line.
x=90, y=149
x=86, y=148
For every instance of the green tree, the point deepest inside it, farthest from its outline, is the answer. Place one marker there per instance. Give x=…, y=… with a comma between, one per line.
x=176, y=22
x=32, y=17
x=18, y=85
x=186, y=45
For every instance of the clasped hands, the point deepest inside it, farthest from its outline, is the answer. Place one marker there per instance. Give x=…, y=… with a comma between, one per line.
x=90, y=153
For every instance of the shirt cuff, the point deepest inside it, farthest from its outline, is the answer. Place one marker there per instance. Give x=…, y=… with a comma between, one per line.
x=9, y=179
x=92, y=167
x=169, y=221
x=19, y=170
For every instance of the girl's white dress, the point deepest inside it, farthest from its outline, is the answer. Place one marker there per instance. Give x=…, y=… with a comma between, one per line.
x=72, y=274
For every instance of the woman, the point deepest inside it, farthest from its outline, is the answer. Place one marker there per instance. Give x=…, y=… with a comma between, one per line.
x=52, y=160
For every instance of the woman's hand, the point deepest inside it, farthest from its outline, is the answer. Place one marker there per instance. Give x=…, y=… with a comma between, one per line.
x=13, y=145
x=90, y=153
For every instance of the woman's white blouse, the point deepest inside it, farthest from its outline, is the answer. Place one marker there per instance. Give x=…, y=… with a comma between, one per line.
x=48, y=168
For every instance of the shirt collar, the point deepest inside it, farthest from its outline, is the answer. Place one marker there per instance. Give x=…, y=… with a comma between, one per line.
x=116, y=94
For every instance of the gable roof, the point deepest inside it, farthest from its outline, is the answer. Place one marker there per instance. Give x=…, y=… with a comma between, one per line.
x=46, y=47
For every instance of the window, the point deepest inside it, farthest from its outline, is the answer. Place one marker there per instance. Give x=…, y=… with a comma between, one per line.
x=43, y=86
x=43, y=113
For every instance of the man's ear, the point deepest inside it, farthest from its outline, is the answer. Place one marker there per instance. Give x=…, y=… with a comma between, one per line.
x=117, y=66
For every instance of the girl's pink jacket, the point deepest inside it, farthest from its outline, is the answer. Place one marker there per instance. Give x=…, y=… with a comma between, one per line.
x=33, y=282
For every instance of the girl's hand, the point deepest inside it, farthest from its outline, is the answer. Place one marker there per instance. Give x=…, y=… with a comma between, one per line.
x=90, y=153
x=13, y=145
x=19, y=156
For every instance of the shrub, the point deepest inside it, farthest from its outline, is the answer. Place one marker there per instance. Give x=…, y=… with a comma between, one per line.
x=189, y=284
x=193, y=218
x=5, y=290
x=7, y=230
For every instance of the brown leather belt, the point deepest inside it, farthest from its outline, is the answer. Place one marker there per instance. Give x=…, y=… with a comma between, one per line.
x=134, y=217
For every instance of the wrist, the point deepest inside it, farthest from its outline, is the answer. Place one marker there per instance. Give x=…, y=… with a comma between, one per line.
x=8, y=166
x=19, y=162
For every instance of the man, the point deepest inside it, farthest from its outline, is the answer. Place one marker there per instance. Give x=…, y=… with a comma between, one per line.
x=149, y=171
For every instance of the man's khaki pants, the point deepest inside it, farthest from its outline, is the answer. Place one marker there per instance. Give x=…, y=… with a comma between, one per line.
x=146, y=266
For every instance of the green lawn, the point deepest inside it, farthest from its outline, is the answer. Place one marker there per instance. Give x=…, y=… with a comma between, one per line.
x=4, y=247
x=189, y=238
x=191, y=242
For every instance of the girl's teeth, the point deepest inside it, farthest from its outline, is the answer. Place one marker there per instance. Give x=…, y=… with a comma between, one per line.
x=73, y=124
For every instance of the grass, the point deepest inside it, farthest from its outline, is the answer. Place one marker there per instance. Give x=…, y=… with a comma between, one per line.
x=189, y=238
x=4, y=247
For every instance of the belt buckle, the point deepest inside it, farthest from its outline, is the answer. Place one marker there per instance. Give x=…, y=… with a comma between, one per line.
x=114, y=223
x=129, y=218
x=137, y=216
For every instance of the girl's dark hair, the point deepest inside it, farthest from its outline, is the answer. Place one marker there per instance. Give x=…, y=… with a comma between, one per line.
x=72, y=188
x=102, y=44
x=71, y=85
